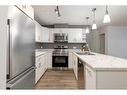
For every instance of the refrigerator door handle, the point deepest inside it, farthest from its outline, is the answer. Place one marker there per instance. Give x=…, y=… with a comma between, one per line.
x=8, y=51
x=20, y=77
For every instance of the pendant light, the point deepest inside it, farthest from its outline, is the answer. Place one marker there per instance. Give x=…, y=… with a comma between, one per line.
x=106, y=16
x=57, y=11
x=87, y=28
x=94, y=26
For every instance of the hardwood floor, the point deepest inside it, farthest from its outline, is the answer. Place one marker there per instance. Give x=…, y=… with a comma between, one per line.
x=58, y=79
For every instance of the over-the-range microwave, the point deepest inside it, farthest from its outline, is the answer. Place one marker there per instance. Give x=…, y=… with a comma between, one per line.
x=60, y=37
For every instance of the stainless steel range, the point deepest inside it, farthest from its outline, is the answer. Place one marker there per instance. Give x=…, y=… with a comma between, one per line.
x=60, y=57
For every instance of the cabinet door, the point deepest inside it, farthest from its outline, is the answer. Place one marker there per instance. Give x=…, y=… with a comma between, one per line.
x=43, y=64
x=78, y=33
x=70, y=60
x=45, y=34
x=51, y=35
x=84, y=35
x=38, y=32
x=75, y=66
x=74, y=35
x=49, y=60
x=90, y=78
x=45, y=61
x=37, y=72
x=71, y=36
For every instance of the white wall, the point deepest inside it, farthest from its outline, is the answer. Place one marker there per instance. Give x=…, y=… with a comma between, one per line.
x=115, y=40
x=3, y=45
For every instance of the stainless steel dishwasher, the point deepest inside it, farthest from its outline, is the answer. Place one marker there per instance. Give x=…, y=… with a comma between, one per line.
x=81, y=74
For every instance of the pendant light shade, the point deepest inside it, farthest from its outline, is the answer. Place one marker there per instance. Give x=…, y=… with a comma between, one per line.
x=106, y=17
x=87, y=28
x=94, y=26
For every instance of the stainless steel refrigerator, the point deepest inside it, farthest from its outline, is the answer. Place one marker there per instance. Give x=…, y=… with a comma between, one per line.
x=21, y=51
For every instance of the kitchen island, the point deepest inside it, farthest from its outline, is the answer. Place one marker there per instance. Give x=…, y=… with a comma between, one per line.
x=103, y=71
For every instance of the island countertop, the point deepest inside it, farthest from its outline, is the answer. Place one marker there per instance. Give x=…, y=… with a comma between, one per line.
x=103, y=62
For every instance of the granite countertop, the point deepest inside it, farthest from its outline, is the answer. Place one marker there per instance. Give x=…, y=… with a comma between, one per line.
x=103, y=62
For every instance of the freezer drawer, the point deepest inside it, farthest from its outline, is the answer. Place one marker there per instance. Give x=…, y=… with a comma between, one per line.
x=24, y=81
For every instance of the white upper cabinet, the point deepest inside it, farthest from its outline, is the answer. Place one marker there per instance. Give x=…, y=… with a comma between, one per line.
x=45, y=34
x=38, y=32
x=83, y=35
x=76, y=36
x=51, y=35
x=27, y=9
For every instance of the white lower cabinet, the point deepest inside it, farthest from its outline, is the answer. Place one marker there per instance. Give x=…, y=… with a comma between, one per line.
x=43, y=62
x=49, y=60
x=105, y=79
x=90, y=78
x=70, y=60
x=74, y=64
x=41, y=66
x=38, y=65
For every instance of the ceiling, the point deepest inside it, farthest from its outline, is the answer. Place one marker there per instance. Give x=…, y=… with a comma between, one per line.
x=75, y=15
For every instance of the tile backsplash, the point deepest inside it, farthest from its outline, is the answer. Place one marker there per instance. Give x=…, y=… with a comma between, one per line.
x=52, y=45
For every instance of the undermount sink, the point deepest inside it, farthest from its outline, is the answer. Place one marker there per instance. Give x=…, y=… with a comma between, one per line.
x=84, y=53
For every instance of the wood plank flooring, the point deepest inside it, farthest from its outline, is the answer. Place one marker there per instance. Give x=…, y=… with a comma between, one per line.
x=58, y=79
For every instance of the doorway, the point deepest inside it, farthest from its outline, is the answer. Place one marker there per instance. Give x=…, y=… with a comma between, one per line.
x=102, y=43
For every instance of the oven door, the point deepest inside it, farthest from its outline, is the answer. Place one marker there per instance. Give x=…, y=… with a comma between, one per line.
x=60, y=61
